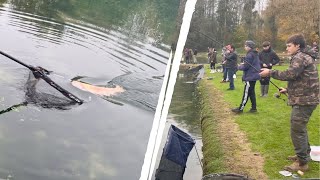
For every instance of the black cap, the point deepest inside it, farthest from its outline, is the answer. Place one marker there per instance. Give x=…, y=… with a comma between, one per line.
x=266, y=43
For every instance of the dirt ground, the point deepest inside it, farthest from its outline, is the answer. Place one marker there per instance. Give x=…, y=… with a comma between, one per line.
x=240, y=158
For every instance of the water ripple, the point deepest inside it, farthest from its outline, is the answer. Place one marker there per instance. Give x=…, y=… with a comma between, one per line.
x=128, y=53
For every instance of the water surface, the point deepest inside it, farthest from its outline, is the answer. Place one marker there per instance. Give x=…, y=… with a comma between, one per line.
x=122, y=42
x=184, y=114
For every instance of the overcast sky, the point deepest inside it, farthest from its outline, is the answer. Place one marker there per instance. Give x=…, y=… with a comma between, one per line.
x=261, y=5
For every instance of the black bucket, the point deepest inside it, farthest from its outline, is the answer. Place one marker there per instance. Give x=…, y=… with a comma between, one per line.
x=175, y=154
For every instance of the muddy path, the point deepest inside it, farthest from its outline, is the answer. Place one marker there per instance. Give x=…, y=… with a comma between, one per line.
x=239, y=158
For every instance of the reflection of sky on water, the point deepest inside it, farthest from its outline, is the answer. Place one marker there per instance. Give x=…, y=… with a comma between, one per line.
x=77, y=45
x=97, y=140
x=75, y=141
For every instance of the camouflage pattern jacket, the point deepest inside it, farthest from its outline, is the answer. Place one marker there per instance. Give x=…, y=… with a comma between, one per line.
x=303, y=80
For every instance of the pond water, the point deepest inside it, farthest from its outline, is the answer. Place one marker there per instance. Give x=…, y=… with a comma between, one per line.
x=184, y=114
x=118, y=42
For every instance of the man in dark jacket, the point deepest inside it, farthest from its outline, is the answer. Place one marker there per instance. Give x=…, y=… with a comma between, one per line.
x=250, y=68
x=303, y=96
x=268, y=58
x=230, y=65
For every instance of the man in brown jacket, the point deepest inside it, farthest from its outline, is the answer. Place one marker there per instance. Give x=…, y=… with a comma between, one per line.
x=301, y=73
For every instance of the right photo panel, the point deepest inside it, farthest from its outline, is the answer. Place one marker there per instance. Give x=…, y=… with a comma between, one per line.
x=246, y=92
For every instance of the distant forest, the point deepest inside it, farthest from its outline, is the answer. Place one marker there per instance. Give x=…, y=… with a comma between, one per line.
x=216, y=23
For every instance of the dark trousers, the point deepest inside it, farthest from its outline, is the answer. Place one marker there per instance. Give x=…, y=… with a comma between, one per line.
x=265, y=81
x=187, y=58
x=300, y=116
x=229, y=72
x=249, y=93
x=212, y=65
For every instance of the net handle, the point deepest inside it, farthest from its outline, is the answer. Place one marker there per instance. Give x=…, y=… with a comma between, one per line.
x=16, y=60
x=42, y=73
x=61, y=90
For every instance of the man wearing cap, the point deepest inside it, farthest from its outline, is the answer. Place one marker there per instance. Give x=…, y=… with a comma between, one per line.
x=250, y=68
x=268, y=58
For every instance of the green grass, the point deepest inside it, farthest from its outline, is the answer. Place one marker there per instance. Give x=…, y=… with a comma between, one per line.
x=269, y=130
x=212, y=148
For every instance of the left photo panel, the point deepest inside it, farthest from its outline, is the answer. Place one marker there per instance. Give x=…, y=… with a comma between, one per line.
x=80, y=82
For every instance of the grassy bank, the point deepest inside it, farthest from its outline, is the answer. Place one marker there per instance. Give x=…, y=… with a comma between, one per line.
x=226, y=148
x=268, y=131
x=212, y=149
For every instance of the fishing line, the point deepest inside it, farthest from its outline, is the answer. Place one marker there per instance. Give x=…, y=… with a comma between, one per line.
x=195, y=146
x=270, y=80
x=243, y=59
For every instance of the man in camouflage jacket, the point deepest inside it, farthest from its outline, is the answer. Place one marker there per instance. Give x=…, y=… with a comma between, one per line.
x=303, y=96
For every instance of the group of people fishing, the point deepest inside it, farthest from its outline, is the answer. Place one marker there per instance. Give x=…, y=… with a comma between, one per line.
x=258, y=66
x=190, y=56
x=302, y=89
x=229, y=65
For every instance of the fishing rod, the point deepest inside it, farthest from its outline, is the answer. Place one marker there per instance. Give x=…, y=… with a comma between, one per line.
x=206, y=36
x=275, y=85
x=40, y=72
x=259, y=71
x=243, y=59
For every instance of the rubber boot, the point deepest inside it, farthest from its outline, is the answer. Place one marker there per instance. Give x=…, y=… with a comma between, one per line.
x=266, y=89
x=262, y=90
